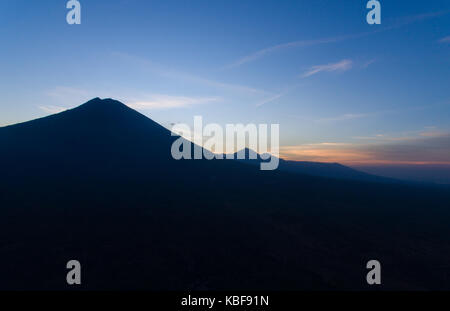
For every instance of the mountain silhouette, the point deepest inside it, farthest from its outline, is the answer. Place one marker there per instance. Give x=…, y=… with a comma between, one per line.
x=102, y=134
x=330, y=170
x=98, y=184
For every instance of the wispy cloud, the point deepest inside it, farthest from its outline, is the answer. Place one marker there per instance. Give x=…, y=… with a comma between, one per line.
x=169, y=102
x=269, y=100
x=166, y=72
x=411, y=136
x=406, y=20
x=52, y=109
x=368, y=63
x=278, y=95
x=68, y=96
x=72, y=97
x=445, y=40
x=400, y=22
x=344, y=117
x=425, y=147
x=302, y=43
x=324, y=152
x=61, y=92
x=343, y=65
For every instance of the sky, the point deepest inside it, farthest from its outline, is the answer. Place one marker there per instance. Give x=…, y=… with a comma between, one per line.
x=342, y=90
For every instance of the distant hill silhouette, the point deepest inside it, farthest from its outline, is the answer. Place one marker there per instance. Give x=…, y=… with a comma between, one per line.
x=330, y=170
x=98, y=184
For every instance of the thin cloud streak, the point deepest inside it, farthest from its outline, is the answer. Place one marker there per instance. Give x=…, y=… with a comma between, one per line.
x=52, y=109
x=277, y=96
x=302, y=43
x=142, y=101
x=183, y=76
x=270, y=99
x=343, y=65
x=169, y=102
x=368, y=63
x=445, y=40
x=307, y=43
x=344, y=117
x=427, y=147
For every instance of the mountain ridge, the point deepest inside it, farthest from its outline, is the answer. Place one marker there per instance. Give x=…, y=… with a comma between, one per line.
x=118, y=117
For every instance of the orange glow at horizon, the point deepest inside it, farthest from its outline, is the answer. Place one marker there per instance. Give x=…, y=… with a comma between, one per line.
x=344, y=154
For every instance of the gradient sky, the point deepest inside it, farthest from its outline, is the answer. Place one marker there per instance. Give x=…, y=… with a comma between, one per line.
x=341, y=90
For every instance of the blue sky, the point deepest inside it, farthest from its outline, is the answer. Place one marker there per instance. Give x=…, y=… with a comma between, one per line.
x=341, y=90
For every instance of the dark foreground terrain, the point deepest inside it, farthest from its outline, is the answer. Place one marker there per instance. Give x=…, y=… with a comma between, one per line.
x=97, y=184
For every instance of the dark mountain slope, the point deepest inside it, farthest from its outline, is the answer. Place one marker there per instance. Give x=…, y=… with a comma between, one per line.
x=97, y=184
